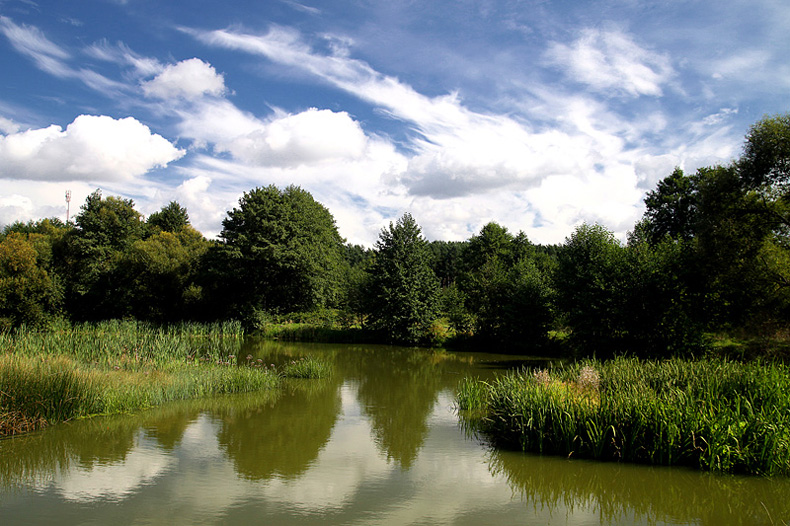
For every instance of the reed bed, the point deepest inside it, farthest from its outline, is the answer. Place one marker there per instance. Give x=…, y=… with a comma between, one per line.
x=716, y=415
x=111, y=367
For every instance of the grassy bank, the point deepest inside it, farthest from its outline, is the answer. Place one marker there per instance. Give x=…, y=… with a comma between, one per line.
x=713, y=414
x=75, y=371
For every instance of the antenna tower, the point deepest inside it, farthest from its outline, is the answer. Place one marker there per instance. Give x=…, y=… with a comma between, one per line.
x=68, y=205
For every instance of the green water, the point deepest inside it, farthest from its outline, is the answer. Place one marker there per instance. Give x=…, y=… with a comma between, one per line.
x=378, y=443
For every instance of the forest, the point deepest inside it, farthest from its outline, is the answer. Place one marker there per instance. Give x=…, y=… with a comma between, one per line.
x=708, y=263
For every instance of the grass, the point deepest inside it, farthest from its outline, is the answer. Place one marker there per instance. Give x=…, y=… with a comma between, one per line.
x=112, y=367
x=713, y=414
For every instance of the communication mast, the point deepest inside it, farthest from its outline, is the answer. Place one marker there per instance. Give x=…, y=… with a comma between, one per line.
x=68, y=205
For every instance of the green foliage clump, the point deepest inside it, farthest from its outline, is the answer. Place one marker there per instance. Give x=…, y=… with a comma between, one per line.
x=76, y=371
x=712, y=414
x=280, y=252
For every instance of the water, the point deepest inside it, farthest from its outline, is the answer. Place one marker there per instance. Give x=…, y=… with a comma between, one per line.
x=378, y=443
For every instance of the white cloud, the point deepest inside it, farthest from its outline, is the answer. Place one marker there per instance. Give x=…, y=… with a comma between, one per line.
x=121, y=54
x=53, y=59
x=92, y=148
x=8, y=126
x=188, y=79
x=313, y=136
x=612, y=61
x=31, y=41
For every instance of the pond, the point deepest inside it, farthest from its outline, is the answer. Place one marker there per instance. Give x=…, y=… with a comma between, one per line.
x=378, y=443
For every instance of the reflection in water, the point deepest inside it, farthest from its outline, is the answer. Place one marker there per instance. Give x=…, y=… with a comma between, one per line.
x=378, y=443
x=651, y=494
x=281, y=438
x=398, y=391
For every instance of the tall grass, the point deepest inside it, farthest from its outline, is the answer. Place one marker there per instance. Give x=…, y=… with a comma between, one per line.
x=713, y=414
x=110, y=367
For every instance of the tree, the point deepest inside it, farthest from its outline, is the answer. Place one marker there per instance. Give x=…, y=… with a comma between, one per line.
x=28, y=293
x=281, y=252
x=171, y=218
x=766, y=155
x=671, y=208
x=96, y=286
x=507, y=291
x=162, y=272
x=591, y=278
x=404, y=288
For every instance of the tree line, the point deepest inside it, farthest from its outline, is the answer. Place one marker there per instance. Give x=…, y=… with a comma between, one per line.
x=711, y=253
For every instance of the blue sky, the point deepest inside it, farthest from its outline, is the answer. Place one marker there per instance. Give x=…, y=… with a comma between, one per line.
x=538, y=114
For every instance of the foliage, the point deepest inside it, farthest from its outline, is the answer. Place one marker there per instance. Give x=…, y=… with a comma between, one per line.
x=715, y=415
x=171, y=218
x=29, y=294
x=591, y=279
x=670, y=209
x=507, y=289
x=281, y=252
x=75, y=371
x=766, y=155
x=403, y=294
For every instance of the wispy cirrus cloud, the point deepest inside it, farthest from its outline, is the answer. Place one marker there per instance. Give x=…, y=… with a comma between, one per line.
x=612, y=61
x=54, y=59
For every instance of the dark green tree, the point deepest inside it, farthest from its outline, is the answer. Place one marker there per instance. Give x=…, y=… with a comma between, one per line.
x=90, y=257
x=280, y=252
x=591, y=280
x=671, y=208
x=171, y=218
x=162, y=274
x=403, y=292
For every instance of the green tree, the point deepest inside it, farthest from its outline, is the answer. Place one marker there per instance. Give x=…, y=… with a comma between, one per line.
x=171, y=218
x=28, y=293
x=280, y=252
x=591, y=278
x=90, y=258
x=403, y=289
x=671, y=208
x=765, y=161
x=162, y=271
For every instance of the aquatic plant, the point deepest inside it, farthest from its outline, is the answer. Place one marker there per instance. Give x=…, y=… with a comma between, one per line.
x=110, y=367
x=713, y=414
x=309, y=367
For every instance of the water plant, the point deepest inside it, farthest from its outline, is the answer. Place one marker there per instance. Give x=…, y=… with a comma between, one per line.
x=87, y=369
x=714, y=414
x=309, y=367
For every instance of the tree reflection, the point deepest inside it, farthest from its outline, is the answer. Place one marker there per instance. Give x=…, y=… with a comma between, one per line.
x=623, y=492
x=282, y=438
x=398, y=391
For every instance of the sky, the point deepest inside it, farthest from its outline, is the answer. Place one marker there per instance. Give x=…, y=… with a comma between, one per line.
x=539, y=115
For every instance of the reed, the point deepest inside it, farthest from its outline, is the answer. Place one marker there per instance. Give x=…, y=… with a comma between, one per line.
x=716, y=415
x=309, y=367
x=75, y=371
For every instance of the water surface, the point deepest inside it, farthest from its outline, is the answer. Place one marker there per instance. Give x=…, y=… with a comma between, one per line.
x=378, y=443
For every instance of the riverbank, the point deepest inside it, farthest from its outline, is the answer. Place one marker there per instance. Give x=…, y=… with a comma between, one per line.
x=711, y=414
x=70, y=372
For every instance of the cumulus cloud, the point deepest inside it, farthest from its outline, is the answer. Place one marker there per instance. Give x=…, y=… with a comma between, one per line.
x=188, y=79
x=309, y=137
x=92, y=148
x=612, y=61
